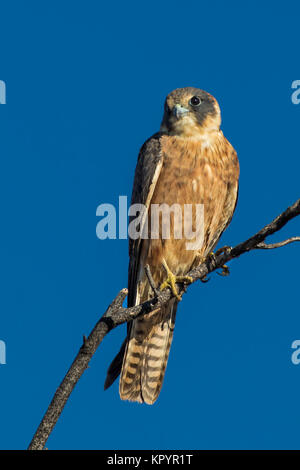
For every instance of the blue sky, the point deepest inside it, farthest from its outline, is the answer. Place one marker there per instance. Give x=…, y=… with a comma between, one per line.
x=85, y=88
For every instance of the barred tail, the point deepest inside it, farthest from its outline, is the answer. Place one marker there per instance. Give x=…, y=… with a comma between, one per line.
x=146, y=355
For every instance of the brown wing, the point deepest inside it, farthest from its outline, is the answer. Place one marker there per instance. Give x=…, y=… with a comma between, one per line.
x=229, y=205
x=146, y=175
x=147, y=172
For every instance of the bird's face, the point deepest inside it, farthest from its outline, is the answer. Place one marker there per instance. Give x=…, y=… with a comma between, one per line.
x=190, y=112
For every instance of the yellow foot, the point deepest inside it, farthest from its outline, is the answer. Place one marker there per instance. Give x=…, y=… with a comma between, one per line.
x=224, y=249
x=213, y=255
x=225, y=270
x=172, y=280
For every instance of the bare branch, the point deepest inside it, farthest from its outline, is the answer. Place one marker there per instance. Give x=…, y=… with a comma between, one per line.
x=151, y=280
x=270, y=246
x=79, y=365
x=116, y=315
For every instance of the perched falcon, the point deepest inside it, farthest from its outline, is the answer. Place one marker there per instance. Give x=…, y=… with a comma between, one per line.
x=188, y=162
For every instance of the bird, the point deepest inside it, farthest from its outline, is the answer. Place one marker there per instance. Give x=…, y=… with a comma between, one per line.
x=188, y=161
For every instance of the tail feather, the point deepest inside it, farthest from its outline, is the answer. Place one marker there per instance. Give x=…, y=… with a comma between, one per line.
x=115, y=367
x=155, y=360
x=146, y=355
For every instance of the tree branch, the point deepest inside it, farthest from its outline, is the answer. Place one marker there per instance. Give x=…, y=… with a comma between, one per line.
x=116, y=314
x=270, y=246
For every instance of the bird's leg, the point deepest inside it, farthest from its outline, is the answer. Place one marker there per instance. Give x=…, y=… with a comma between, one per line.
x=225, y=269
x=224, y=249
x=212, y=256
x=172, y=280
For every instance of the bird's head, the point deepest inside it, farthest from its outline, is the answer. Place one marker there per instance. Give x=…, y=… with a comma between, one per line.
x=190, y=112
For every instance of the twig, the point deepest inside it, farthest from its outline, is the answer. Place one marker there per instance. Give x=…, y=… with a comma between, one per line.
x=116, y=315
x=151, y=280
x=270, y=246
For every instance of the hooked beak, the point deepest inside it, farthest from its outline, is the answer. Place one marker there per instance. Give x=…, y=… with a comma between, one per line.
x=179, y=111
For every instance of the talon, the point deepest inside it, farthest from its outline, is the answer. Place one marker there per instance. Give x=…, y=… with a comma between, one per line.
x=211, y=256
x=184, y=279
x=205, y=279
x=225, y=271
x=224, y=249
x=172, y=280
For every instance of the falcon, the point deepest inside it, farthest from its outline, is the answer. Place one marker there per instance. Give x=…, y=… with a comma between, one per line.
x=189, y=161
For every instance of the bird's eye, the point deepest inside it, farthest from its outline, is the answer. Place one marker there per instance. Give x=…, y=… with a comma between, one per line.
x=195, y=101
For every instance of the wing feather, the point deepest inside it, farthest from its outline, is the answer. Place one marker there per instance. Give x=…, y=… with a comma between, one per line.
x=147, y=172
